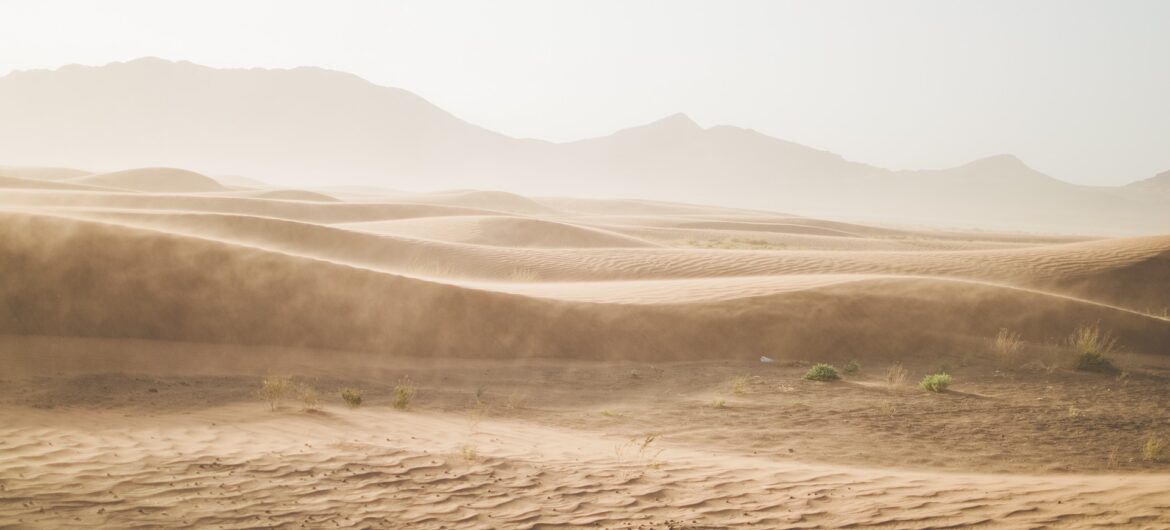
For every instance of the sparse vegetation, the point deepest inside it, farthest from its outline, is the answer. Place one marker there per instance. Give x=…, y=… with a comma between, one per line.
x=352, y=397
x=896, y=377
x=936, y=382
x=851, y=367
x=273, y=389
x=309, y=397
x=469, y=453
x=1153, y=449
x=739, y=385
x=718, y=403
x=1007, y=347
x=1093, y=347
x=822, y=372
x=404, y=393
x=735, y=244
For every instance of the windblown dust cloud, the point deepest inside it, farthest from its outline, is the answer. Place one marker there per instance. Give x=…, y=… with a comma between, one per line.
x=578, y=363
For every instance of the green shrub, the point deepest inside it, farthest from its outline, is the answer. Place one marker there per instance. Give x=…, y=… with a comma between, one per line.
x=851, y=368
x=352, y=397
x=936, y=382
x=404, y=393
x=822, y=372
x=1093, y=347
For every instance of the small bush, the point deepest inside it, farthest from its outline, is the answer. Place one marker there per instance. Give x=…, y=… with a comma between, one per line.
x=1152, y=450
x=1093, y=347
x=1007, y=346
x=274, y=389
x=404, y=393
x=936, y=382
x=718, y=403
x=822, y=372
x=739, y=385
x=310, y=398
x=851, y=367
x=352, y=397
x=896, y=377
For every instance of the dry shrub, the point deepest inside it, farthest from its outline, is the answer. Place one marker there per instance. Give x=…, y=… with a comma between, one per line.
x=1007, y=347
x=936, y=382
x=352, y=397
x=1093, y=347
x=896, y=377
x=309, y=397
x=739, y=385
x=1153, y=449
x=273, y=389
x=404, y=393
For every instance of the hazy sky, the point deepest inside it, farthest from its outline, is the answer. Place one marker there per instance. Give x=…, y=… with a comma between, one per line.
x=1079, y=90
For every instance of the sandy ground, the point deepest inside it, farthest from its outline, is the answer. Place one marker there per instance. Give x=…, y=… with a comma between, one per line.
x=578, y=364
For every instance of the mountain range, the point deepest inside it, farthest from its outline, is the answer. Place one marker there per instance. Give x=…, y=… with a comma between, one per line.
x=314, y=127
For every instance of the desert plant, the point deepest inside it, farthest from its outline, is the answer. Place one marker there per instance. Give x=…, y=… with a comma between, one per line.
x=896, y=377
x=1007, y=346
x=851, y=367
x=1093, y=347
x=352, y=397
x=310, y=398
x=404, y=393
x=822, y=372
x=936, y=382
x=1152, y=450
x=739, y=385
x=273, y=389
x=469, y=452
x=718, y=403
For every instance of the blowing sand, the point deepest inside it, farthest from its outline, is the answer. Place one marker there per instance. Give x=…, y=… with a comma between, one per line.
x=577, y=364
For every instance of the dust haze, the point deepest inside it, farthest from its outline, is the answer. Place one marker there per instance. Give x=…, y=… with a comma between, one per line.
x=296, y=298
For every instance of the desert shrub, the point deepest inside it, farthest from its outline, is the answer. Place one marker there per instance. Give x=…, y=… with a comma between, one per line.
x=352, y=397
x=1153, y=448
x=309, y=397
x=739, y=385
x=718, y=403
x=1093, y=347
x=404, y=393
x=1007, y=346
x=822, y=372
x=274, y=389
x=896, y=377
x=851, y=367
x=936, y=382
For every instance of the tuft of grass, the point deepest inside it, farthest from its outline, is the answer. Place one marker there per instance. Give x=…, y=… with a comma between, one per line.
x=310, y=398
x=851, y=367
x=822, y=372
x=936, y=382
x=469, y=452
x=352, y=397
x=404, y=393
x=1007, y=346
x=274, y=389
x=739, y=385
x=1153, y=449
x=719, y=403
x=1093, y=347
x=896, y=377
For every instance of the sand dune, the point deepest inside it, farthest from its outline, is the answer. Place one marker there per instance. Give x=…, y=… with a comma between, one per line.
x=166, y=180
x=553, y=341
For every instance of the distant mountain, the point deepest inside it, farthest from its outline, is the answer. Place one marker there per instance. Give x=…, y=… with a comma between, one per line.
x=309, y=126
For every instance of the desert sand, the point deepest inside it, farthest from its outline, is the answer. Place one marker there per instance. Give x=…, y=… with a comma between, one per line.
x=575, y=363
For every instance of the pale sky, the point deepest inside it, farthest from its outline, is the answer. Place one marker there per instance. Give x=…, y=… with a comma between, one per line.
x=1079, y=90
